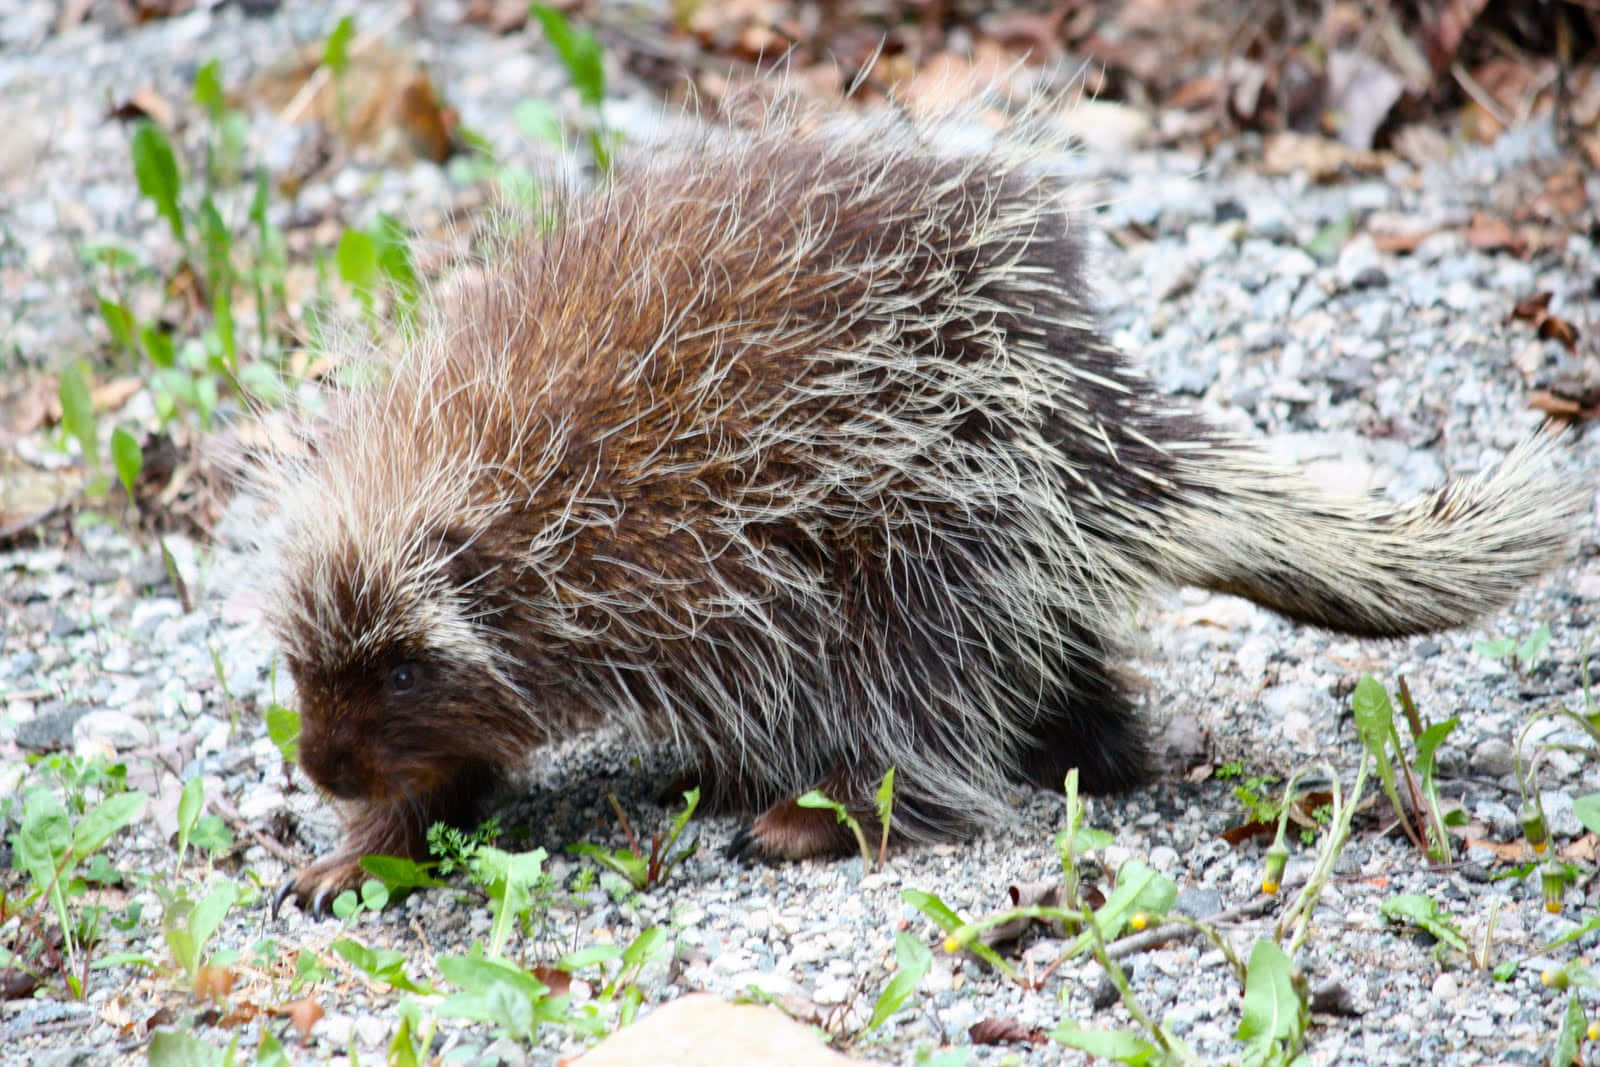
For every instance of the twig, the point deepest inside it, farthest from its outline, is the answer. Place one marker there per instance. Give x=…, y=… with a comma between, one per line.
x=1149, y=939
x=1479, y=94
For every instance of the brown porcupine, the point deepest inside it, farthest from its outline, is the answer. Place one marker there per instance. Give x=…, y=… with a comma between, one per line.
x=799, y=450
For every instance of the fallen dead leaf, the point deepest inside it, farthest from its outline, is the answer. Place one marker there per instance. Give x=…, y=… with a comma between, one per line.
x=303, y=1015
x=110, y=396
x=1322, y=158
x=1565, y=196
x=1505, y=851
x=1556, y=328
x=1487, y=233
x=1400, y=243
x=144, y=103
x=214, y=983
x=1559, y=406
x=559, y=981
x=1531, y=308
x=997, y=1031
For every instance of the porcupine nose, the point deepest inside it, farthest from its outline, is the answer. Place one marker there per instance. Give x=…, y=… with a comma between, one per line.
x=333, y=770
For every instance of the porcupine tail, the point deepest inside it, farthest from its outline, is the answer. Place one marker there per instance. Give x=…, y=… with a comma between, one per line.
x=1367, y=567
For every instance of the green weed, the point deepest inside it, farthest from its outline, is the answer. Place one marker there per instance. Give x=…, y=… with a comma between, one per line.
x=645, y=870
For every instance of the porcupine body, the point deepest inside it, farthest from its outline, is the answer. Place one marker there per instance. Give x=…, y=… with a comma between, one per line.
x=801, y=451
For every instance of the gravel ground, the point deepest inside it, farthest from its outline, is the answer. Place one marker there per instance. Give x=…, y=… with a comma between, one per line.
x=1372, y=369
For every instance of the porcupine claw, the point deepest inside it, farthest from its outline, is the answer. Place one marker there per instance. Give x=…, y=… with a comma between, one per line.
x=315, y=887
x=280, y=896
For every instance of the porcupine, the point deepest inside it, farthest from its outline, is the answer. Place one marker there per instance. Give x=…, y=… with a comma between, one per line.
x=799, y=450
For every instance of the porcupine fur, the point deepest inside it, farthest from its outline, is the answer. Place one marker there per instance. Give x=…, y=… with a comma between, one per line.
x=800, y=451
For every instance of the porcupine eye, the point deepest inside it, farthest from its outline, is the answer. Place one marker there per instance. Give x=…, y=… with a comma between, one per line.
x=404, y=677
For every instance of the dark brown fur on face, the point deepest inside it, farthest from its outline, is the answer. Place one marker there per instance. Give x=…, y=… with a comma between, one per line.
x=801, y=453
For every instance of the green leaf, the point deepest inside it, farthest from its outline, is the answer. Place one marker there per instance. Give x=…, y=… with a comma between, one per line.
x=495, y=991
x=211, y=834
x=127, y=457
x=222, y=324
x=40, y=846
x=1374, y=714
x=579, y=51
x=622, y=861
x=394, y=260
x=1120, y=1046
x=77, y=412
x=538, y=122
x=119, y=324
x=1569, y=1036
x=642, y=949
x=208, y=91
x=190, y=803
x=401, y=872
x=269, y=1052
x=156, y=169
x=1275, y=1013
x=589, y=957
x=283, y=727
x=934, y=908
x=1497, y=649
x=108, y=816
x=336, y=54
x=509, y=878
x=914, y=961
x=947, y=920
x=1423, y=912
x=157, y=344
x=172, y=1048
x=1532, y=649
x=1325, y=245
x=382, y=965
x=885, y=798
x=357, y=260
x=1587, y=808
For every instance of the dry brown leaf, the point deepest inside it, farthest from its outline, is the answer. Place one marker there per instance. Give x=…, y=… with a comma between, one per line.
x=501, y=16
x=144, y=103
x=1487, y=233
x=997, y=1031
x=1400, y=243
x=559, y=981
x=241, y=1013
x=1505, y=851
x=1194, y=93
x=214, y=983
x=36, y=404
x=1531, y=308
x=1323, y=158
x=1565, y=196
x=1580, y=850
x=1559, y=406
x=109, y=396
x=1556, y=328
x=303, y=1015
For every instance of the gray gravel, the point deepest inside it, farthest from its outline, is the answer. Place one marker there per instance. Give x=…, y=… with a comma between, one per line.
x=1370, y=369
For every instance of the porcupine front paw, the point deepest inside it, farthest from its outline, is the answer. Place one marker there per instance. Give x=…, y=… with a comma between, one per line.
x=378, y=829
x=314, y=888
